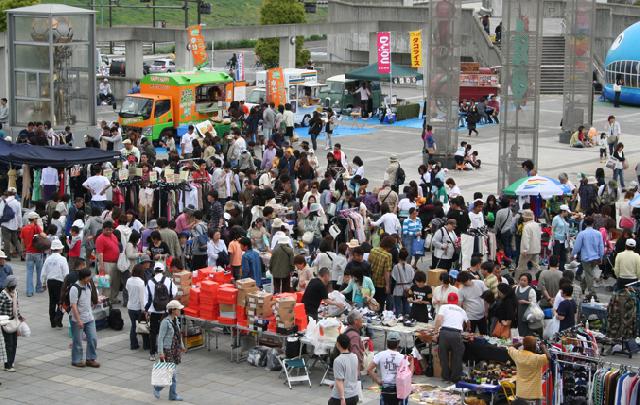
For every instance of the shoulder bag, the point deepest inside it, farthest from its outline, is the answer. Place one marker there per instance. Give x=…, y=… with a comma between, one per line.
x=14, y=323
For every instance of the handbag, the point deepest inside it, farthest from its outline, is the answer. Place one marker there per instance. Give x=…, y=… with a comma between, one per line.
x=142, y=327
x=41, y=243
x=417, y=247
x=13, y=324
x=501, y=331
x=403, y=380
x=611, y=163
x=162, y=374
x=612, y=139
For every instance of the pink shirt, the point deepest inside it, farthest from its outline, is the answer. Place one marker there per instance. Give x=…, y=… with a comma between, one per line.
x=182, y=223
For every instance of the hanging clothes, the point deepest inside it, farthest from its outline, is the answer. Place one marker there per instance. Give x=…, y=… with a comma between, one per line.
x=622, y=322
x=37, y=188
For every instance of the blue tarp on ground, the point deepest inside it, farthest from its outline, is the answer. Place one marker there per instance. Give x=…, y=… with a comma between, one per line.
x=54, y=156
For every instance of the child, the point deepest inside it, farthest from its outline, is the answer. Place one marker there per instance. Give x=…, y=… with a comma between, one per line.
x=602, y=142
x=420, y=297
x=403, y=275
x=75, y=245
x=459, y=155
x=185, y=249
x=304, y=272
x=346, y=278
x=55, y=220
x=566, y=311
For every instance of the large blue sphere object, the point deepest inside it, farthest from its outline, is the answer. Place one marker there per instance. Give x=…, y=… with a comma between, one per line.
x=623, y=63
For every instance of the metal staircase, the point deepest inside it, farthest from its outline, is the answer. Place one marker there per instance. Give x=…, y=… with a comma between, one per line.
x=552, y=66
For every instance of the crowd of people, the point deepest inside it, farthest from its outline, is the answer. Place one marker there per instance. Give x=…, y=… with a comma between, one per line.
x=267, y=209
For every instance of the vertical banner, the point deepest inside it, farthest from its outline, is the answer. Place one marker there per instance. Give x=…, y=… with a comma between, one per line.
x=415, y=42
x=197, y=46
x=384, y=52
x=276, y=91
x=240, y=68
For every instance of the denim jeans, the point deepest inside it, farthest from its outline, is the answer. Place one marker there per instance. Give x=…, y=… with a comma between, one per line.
x=407, y=243
x=133, y=337
x=11, y=346
x=617, y=174
x=34, y=262
x=98, y=204
x=77, y=353
x=505, y=240
x=401, y=305
x=172, y=389
x=399, y=401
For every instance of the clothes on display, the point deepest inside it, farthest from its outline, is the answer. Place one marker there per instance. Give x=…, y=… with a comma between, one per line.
x=622, y=320
x=613, y=386
x=477, y=242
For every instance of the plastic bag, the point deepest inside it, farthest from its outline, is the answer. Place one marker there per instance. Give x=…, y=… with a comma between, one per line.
x=551, y=329
x=403, y=380
x=273, y=364
x=162, y=374
x=24, y=330
x=258, y=356
x=534, y=313
x=338, y=297
x=417, y=247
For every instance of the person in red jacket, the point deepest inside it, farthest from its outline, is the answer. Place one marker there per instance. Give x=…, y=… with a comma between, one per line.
x=108, y=250
x=34, y=257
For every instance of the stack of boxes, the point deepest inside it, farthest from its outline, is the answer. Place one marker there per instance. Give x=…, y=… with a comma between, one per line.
x=193, y=309
x=208, y=300
x=259, y=309
x=245, y=287
x=182, y=280
x=227, y=300
x=285, y=315
x=300, y=316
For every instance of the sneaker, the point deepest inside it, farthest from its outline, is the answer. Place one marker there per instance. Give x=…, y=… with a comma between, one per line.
x=92, y=364
x=152, y=357
x=11, y=369
x=156, y=393
x=176, y=398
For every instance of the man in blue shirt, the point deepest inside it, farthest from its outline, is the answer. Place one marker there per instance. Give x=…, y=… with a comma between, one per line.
x=590, y=246
x=560, y=229
x=251, y=262
x=5, y=269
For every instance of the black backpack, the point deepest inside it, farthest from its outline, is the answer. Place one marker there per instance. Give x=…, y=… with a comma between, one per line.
x=161, y=296
x=400, y=176
x=64, y=300
x=115, y=319
x=7, y=213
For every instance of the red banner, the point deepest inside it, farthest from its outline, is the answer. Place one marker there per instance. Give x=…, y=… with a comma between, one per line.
x=276, y=91
x=384, y=52
x=197, y=45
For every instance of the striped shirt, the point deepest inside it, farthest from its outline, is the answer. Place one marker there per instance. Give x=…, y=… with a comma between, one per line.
x=411, y=227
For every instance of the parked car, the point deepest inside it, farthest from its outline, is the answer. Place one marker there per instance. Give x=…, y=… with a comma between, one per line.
x=163, y=66
x=117, y=68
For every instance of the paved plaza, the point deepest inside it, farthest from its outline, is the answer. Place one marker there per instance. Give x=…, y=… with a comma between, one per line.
x=43, y=365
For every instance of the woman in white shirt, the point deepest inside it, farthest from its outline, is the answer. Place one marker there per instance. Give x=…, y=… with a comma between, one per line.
x=406, y=203
x=135, y=306
x=133, y=222
x=452, y=189
x=441, y=293
x=214, y=247
x=358, y=167
x=613, y=132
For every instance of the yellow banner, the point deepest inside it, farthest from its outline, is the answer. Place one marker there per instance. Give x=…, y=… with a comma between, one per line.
x=415, y=42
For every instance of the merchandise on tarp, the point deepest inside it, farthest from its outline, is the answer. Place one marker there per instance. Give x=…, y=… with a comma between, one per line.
x=52, y=156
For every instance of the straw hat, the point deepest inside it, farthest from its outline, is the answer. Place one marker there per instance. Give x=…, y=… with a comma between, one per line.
x=353, y=243
x=527, y=215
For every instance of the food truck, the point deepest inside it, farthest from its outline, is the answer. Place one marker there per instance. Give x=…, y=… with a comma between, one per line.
x=477, y=82
x=168, y=101
x=302, y=92
x=339, y=93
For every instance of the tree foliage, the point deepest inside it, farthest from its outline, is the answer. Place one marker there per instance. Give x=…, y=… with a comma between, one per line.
x=8, y=5
x=280, y=12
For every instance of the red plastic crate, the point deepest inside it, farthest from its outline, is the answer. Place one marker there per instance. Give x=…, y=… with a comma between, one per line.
x=192, y=311
x=205, y=273
x=299, y=295
x=299, y=312
x=226, y=321
x=302, y=324
x=241, y=313
x=209, y=286
x=208, y=315
x=243, y=323
x=194, y=293
x=227, y=294
x=272, y=324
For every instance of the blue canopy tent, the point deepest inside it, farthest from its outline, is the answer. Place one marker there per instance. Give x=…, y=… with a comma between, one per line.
x=52, y=156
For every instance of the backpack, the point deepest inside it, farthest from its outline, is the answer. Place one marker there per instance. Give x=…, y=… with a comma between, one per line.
x=201, y=240
x=7, y=213
x=64, y=299
x=437, y=223
x=161, y=296
x=400, y=176
x=114, y=320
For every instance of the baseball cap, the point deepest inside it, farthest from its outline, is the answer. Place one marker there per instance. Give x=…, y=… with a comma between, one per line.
x=630, y=242
x=158, y=267
x=565, y=207
x=452, y=298
x=393, y=336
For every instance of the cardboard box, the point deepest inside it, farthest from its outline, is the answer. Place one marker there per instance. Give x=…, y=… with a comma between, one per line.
x=259, y=304
x=182, y=278
x=193, y=341
x=433, y=277
x=243, y=293
x=245, y=283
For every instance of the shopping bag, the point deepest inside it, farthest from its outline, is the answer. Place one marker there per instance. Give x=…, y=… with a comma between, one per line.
x=142, y=328
x=417, y=247
x=552, y=328
x=611, y=163
x=162, y=374
x=24, y=330
x=403, y=380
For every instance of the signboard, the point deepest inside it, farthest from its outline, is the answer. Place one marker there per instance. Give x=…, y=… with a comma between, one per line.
x=197, y=45
x=276, y=91
x=403, y=80
x=469, y=67
x=415, y=42
x=477, y=80
x=384, y=52
x=205, y=127
x=240, y=68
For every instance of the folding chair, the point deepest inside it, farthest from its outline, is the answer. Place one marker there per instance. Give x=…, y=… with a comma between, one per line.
x=299, y=366
x=509, y=390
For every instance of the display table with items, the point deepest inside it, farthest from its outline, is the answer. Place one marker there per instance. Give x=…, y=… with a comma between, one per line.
x=485, y=348
x=426, y=394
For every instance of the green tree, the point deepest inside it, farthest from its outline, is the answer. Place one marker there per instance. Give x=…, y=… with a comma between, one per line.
x=281, y=12
x=8, y=5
